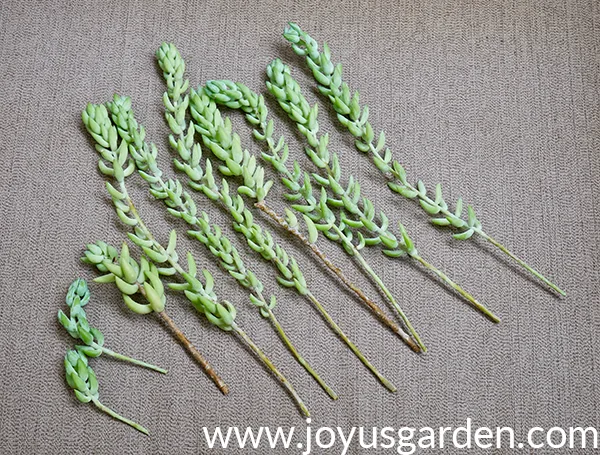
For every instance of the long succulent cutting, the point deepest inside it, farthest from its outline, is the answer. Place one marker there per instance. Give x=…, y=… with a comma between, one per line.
x=76, y=323
x=355, y=118
x=200, y=294
x=82, y=379
x=356, y=212
x=316, y=215
x=181, y=205
x=218, y=137
x=132, y=277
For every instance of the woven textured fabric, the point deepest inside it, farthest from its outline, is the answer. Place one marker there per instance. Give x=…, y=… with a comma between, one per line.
x=496, y=99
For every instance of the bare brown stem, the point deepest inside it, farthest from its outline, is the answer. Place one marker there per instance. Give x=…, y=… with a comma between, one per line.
x=191, y=349
x=335, y=269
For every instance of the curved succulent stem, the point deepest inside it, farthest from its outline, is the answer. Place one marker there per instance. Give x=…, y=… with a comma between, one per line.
x=335, y=269
x=116, y=355
x=298, y=356
x=117, y=416
x=365, y=265
x=273, y=369
x=457, y=288
x=388, y=385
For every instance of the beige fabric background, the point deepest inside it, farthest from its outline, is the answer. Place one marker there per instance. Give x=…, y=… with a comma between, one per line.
x=496, y=99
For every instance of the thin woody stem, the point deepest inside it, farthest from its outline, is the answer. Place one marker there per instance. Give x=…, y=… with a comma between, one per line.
x=112, y=413
x=272, y=367
x=457, y=288
x=335, y=269
x=191, y=349
x=297, y=355
x=391, y=387
x=365, y=265
x=116, y=355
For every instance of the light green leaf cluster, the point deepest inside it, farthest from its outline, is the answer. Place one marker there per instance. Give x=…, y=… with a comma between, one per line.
x=225, y=145
x=76, y=324
x=80, y=376
x=130, y=276
x=239, y=96
x=181, y=205
x=355, y=118
x=82, y=379
x=356, y=212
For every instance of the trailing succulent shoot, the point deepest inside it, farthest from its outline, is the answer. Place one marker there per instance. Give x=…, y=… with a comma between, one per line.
x=355, y=118
x=218, y=137
x=356, y=212
x=316, y=215
x=82, y=379
x=130, y=276
x=180, y=204
x=76, y=323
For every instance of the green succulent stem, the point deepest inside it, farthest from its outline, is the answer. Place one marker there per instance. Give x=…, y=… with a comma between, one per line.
x=276, y=323
x=180, y=204
x=520, y=262
x=284, y=337
x=273, y=368
x=355, y=118
x=78, y=326
x=296, y=354
x=82, y=379
x=218, y=136
x=317, y=251
x=116, y=355
x=179, y=335
x=491, y=316
x=388, y=385
x=288, y=93
x=106, y=129
x=447, y=213
x=365, y=265
x=117, y=416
